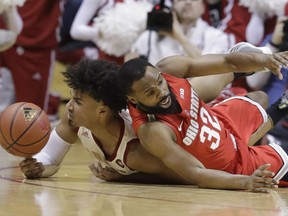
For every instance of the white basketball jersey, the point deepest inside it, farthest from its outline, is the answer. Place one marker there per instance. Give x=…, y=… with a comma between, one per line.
x=118, y=160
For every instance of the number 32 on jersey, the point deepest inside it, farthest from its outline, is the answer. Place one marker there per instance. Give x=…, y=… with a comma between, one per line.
x=207, y=132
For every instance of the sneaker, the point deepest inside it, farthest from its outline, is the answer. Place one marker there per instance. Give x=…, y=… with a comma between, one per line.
x=247, y=47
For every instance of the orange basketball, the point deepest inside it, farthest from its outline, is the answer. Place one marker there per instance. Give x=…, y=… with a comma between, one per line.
x=24, y=129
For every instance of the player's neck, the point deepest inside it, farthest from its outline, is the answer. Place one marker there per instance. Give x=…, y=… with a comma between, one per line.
x=109, y=134
x=107, y=127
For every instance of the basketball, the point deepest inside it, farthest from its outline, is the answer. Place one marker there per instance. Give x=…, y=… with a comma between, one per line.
x=24, y=129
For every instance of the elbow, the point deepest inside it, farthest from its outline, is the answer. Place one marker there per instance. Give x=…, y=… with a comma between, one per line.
x=74, y=33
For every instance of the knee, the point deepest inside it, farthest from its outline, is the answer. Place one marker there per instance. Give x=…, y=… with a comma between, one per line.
x=260, y=97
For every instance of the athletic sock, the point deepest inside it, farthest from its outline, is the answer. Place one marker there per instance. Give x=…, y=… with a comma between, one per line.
x=279, y=109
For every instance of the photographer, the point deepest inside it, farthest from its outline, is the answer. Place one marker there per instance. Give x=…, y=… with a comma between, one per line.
x=189, y=34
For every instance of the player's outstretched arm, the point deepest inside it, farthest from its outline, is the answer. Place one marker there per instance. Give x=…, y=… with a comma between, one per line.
x=159, y=140
x=260, y=181
x=109, y=174
x=47, y=162
x=149, y=169
x=181, y=66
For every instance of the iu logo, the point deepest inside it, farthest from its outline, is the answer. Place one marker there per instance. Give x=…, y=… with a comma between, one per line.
x=29, y=113
x=85, y=134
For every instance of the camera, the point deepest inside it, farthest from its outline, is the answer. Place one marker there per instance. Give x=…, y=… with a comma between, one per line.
x=160, y=18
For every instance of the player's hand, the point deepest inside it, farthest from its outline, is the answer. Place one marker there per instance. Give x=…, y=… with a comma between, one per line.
x=177, y=30
x=261, y=180
x=31, y=168
x=106, y=173
x=275, y=62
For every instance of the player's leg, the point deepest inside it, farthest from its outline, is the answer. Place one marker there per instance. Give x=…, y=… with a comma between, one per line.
x=276, y=112
x=263, y=99
x=260, y=97
x=248, y=118
x=260, y=133
x=209, y=87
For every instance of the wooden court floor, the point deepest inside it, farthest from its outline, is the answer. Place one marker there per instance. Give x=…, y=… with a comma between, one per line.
x=75, y=191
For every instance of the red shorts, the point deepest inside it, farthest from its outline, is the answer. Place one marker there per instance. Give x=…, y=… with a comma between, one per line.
x=244, y=117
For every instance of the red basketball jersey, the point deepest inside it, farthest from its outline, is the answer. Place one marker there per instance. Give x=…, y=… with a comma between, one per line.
x=218, y=136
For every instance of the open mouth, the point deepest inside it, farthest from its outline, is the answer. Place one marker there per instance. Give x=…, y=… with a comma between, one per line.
x=166, y=102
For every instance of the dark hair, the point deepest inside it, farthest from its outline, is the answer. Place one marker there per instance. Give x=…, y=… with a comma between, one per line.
x=130, y=72
x=98, y=79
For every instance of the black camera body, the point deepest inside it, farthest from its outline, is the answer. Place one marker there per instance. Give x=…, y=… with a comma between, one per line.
x=160, y=18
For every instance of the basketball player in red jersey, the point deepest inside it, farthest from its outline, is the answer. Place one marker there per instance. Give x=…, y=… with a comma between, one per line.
x=177, y=127
x=94, y=117
x=31, y=59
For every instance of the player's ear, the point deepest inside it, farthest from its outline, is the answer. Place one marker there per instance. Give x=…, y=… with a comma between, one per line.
x=132, y=99
x=103, y=109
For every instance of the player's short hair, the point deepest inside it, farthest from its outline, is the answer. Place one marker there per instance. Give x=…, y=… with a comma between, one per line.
x=98, y=79
x=130, y=72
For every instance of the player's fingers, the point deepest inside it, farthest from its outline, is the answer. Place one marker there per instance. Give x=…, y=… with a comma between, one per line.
x=93, y=169
x=31, y=166
x=281, y=58
x=275, y=68
x=264, y=167
x=260, y=190
x=34, y=173
x=263, y=172
x=266, y=184
x=105, y=173
x=267, y=173
x=100, y=168
x=91, y=166
x=262, y=185
x=110, y=170
x=27, y=161
x=271, y=181
x=263, y=180
x=97, y=171
x=284, y=55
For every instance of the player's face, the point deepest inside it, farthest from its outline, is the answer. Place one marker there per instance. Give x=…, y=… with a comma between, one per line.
x=152, y=94
x=188, y=10
x=83, y=110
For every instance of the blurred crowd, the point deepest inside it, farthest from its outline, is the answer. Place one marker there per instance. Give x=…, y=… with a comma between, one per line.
x=35, y=34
